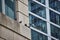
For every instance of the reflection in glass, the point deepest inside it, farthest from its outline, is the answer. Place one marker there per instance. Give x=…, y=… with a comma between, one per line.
x=37, y=9
x=10, y=8
x=38, y=23
x=52, y=39
x=55, y=4
x=0, y=6
x=38, y=36
x=54, y=17
x=41, y=1
x=55, y=32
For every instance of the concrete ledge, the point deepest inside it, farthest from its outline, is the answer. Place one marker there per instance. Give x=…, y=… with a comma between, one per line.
x=8, y=22
x=13, y=26
x=8, y=34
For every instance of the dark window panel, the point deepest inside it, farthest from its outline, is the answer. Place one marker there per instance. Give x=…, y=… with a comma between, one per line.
x=10, y=8
x=37, y=9
x=38, y=23
x=55, y=31
x=41, y=1
x=38, y=36
x=55, y=4
x=54, y=17
x=0, y=5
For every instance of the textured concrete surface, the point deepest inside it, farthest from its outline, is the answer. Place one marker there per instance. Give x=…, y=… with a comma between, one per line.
x=11, y=29
x=23, y=15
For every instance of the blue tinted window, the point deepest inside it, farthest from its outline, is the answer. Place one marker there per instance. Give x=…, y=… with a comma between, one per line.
x=0, y=6
x=54, y=17
x=10, y=8
x=55, y=4
x=52, y=39
x=37, y=9
x=41, y=1
x=38, y=36
x=55, y=31
x=38, y=23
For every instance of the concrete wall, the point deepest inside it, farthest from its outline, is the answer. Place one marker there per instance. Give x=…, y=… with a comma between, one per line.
x=11, y=29
x=1, y=39
x=23, y=15
x=9, y=35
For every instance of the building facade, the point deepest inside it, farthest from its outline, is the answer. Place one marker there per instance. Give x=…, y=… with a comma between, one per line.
x=29, y=19
x=44, y=20
x=13, y=17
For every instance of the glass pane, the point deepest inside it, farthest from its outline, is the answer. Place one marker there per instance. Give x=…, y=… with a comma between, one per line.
x=55, y=4
x=10, y=8
x=52, y=39
x=38, y=23
x=38, y=36
x=55, y=32
x=0, y=6
x=41, y=1
x=37, y=9
x=54, y=17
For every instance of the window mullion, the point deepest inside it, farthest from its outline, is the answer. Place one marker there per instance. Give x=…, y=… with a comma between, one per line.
x=48, y=18
x=3, y=6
